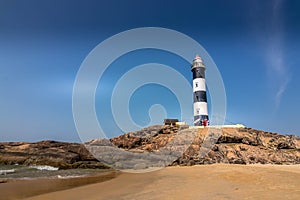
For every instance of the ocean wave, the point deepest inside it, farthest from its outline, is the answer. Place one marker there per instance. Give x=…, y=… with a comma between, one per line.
x=7, y=171
x=69, y=176
x=44, y=167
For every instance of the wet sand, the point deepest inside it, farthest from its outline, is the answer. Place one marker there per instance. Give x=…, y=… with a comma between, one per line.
x=20, y=189
x=217, y=181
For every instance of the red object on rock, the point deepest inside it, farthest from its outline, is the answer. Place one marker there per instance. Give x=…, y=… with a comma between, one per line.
x=205, y=122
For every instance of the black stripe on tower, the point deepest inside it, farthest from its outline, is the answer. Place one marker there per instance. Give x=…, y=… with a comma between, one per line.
x=200, y=96
x=198, y=72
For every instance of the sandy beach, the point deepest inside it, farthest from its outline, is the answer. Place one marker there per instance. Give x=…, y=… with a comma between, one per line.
x=219, y=181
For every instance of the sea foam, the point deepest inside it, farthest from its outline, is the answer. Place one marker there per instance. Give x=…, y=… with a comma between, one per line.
x=44, y=167
x=7, y=171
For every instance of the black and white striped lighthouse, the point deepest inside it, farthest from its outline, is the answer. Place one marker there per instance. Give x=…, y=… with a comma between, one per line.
x=199, y=90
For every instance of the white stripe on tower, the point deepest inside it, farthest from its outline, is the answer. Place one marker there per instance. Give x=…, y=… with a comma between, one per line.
x=199, y=90
x=199, y=84
x=200, y=111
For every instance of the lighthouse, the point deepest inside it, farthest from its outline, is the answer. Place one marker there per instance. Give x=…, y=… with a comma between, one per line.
x=199, y=90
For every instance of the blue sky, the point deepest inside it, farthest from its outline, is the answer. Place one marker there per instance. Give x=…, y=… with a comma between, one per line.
x=255, y=45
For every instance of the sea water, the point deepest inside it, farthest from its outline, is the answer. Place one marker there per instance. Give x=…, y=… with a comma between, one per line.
x=42, y=171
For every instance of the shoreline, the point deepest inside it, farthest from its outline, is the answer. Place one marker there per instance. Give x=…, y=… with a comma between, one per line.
x=11, y=189
x=216, y=181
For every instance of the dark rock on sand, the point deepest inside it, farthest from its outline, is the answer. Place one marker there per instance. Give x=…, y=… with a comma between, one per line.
x=58, y=154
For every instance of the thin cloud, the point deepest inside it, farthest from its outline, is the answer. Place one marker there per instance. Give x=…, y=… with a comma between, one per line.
x=280, y=92
x=277, y=70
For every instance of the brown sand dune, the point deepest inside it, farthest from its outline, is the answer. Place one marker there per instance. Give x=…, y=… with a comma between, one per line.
x=219, y=181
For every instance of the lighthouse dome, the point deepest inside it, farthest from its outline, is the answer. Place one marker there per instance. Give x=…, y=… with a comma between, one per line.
x=198, y=62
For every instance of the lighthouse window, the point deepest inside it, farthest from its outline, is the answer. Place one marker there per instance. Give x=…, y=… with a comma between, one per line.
x=196, y=84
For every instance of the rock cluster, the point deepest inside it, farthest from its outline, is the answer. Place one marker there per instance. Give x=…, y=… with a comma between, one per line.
x=158, y=146
x=245, y=146
x=58, y=154
x=154, y=146
x=150, y=138
x=232, y=145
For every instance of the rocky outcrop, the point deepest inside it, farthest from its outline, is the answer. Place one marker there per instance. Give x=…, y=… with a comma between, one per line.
x=154, y=146
x=58, y=154
x=150, y=138
x=158, y=146
x=246, y=146
x=231, y=145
